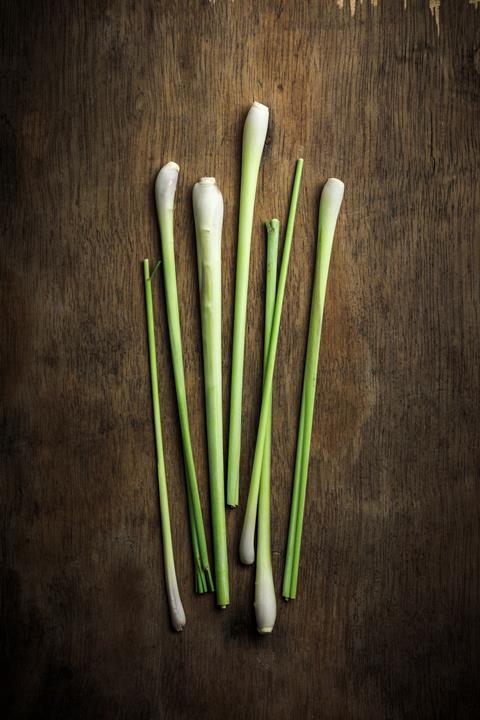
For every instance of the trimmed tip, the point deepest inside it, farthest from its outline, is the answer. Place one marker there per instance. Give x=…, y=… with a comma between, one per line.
x=264, y=630
x=255, y=131
x=260, y=106
x=170, y=170
x=165, y=186
x=272, y=225
x=335, y=182
x=207, y=203
x=331, y=200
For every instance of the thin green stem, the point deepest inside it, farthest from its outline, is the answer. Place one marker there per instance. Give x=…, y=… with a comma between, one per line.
x=177, y=614
x=247, y=548
x=287, y=576
x=200, y=586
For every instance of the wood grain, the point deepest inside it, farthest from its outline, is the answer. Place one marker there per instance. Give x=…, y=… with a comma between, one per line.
x=95, y=97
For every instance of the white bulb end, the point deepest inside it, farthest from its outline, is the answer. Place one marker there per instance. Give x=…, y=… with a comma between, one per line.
x=247, y=548
x=177, y=613
x=331, y=201
x=265, y=602
x=265, y=630
x=335, y=185
x=207, y=203
x=260, y=106
x=166, y=185
x=178, y=621
x=255, y=132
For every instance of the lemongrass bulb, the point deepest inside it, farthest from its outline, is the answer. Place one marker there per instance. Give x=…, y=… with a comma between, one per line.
x=177, y=613
x=265, y=604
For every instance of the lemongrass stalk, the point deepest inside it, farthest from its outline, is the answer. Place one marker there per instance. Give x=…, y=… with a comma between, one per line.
x=208, y=214
x=254, y=134
x=247, y=547
x=169, y=182
x=165, y=186
x=265, y=601
x=177, y=613
x=287, y=575
x=330, y=203
x=200, y=582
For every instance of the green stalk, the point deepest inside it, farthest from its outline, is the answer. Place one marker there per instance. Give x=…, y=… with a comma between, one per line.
x=208, y=213
x=165, y=186
x=254, y=134
x=330, y=203
x=265, y=601
x=200, y=584
x=177, y=613
x=287, y=575
x=247, y=547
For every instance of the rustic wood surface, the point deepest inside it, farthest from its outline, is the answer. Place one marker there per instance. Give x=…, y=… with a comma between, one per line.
x=94, y=98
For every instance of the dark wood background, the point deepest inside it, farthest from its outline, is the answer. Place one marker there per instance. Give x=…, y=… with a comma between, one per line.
x=95, y=96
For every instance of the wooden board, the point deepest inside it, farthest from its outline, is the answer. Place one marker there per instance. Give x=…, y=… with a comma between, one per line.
x=95, y=97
